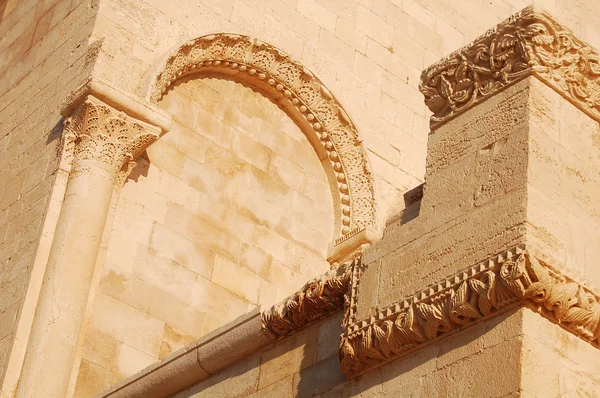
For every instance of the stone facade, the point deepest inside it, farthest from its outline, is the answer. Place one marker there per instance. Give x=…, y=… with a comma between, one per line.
x=200, y=197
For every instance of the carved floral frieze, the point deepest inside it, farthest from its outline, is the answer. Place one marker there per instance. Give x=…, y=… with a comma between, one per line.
x=98, y=132
x=316, y=300
x=510, y=279
x=529, y=42
x=246, y=59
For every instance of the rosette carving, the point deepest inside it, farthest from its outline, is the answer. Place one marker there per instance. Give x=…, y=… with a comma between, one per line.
x=305, y=99
x=101, y=133
x=316, y=300
x=510, y=279
x=529, y=42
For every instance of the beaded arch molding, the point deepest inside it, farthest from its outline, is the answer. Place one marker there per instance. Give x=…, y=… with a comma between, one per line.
x=303, y=97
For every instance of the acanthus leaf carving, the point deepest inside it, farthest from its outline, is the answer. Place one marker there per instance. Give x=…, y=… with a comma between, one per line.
x=528, y=43
x=513, y=278
x=316, y=300
x=98, y=132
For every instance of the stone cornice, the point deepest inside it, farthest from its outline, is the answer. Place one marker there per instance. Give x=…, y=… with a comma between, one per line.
x=317, y=299
x=513, y=278
x=528, y=43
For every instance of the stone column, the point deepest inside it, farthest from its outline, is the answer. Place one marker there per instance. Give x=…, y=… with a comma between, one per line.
x=103, y=142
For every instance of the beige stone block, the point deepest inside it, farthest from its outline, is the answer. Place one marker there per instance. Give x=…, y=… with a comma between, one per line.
x=93, y=379
x=166, y=158
x=226, y=163
x=386, y=59
x=11, y=292
x=212, y=128
x=317, y=13
x=282, y=388
x=288, y=357
x=165, y=274
x=374, y=27
x=267, y=295
x=220, y=303
x=255, y=260
x=203, y=178
x=276, y=140
x=366, y=69
x=127, y=324
x=241, y=119
x=175, y=313
x=182, y=109
x=173, y=340
x=192, y=144
x=7, y=320
x=126, y=288
x=184, y=222
x=270, y=242
x=236, y=279
x=345, y=31
x=287, y=171
x=192, y=255
x=131, y=361
x=101, y=349
x=251, y=151
x=339, y=50
x=251, y=205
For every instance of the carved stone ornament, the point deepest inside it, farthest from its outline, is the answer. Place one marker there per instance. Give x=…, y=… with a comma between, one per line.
x=508, y=280
x=101, y=133
x=302, y=96
x=528, y=43
x=317, y=300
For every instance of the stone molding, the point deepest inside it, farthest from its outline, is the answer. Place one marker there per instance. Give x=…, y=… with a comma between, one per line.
x=99, y=132
x=510, y=279
x=530, y=42
x=303, y=96
x=317, y=299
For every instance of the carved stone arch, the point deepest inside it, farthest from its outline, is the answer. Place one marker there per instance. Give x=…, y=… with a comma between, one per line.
x=304, y=98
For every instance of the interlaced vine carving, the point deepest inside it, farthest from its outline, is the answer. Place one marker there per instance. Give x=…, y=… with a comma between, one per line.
x=99, y=132
x=529, y=42
x=318, y=299
x=513, y=278
x=244, y=58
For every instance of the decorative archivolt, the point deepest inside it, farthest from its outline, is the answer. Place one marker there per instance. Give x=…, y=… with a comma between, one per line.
x=529, y=42
x=304, y=98
x=511, y=279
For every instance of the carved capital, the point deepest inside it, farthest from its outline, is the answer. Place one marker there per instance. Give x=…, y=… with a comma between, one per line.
x=316, y=300
x=99, y=132
x=528, y=43
x=513, y=278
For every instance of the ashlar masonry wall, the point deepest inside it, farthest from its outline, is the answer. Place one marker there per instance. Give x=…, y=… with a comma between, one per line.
x=231, y=209
x=45, y=53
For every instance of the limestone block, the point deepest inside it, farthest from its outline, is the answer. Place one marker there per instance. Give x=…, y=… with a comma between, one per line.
x=288, y=357
x=186, y=319
x=374, y=27
x=317, y=13
x=126, y=288
x=164, y=274
x=92, y=379
x=245, y=284
x=190, y=254
x=123, y=322
x=173, y=340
